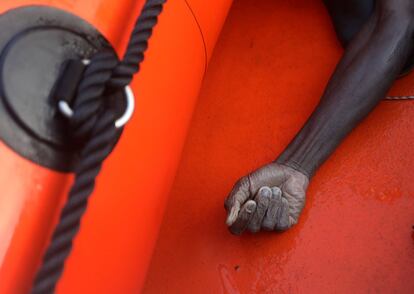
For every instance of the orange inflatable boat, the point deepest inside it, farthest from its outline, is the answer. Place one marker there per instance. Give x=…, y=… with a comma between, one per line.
x=354, y=236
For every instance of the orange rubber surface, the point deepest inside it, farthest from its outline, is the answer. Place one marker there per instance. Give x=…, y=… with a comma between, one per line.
x=269, y=69
x=118, y=233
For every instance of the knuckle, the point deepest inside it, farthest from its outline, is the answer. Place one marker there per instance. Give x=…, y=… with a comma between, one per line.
x=263, y=198
x=238, y=193
x=241, y=183
x=250, y=207
x=276, y=191
x=265, y=191
x=240, y=188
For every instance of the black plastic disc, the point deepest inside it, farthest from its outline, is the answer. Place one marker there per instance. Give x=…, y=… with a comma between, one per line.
x=34, y=43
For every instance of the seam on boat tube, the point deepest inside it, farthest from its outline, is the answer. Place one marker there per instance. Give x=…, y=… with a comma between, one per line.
x=201, y=33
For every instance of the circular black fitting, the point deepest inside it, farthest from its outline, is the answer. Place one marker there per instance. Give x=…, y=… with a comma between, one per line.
x=35, y=42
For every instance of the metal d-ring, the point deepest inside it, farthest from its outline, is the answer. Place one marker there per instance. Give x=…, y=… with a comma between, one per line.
x=129, y=110
x=67, y=111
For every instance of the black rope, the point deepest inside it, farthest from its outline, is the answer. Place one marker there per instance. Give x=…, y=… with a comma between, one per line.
x=93, y=124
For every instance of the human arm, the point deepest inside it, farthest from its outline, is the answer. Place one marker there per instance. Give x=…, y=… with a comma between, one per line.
x=370, y=64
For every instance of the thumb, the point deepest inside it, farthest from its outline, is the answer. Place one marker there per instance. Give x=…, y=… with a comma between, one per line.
x=237, y=197
x=232, y=213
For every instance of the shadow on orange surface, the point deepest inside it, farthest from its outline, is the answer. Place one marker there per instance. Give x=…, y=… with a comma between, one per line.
x=267, y=73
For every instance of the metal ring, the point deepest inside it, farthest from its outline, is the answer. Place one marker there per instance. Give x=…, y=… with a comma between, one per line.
x=129, y=111
x=67, y=111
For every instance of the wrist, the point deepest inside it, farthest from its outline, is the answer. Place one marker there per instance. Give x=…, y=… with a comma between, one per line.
x=307, y=151
x=308, y=172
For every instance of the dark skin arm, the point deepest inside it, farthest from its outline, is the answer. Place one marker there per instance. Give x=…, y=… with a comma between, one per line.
x=272, y=197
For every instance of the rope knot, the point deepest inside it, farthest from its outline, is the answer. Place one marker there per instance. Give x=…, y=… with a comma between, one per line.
x=93, y=95
x=86, y=90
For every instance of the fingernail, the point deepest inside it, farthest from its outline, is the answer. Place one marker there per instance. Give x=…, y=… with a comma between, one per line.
x=276, y=191
x=250, y=206
x=265, y=191
x=229, y=222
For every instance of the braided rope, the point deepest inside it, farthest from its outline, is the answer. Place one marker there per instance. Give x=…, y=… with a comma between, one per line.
x=93, y=126
x=137, y=45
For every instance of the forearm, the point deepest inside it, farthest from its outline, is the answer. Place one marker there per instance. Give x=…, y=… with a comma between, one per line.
x=370, y=65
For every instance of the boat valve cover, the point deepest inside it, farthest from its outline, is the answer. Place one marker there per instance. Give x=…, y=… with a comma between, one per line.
x=35, y=44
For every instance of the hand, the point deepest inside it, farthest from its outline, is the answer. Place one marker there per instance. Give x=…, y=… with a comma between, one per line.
x=270, y=198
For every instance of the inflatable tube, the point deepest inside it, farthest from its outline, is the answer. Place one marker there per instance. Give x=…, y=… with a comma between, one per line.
x=113, y=249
